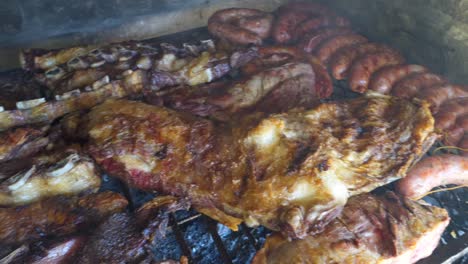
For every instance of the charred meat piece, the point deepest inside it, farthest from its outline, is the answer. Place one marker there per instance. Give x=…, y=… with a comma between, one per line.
x=270, y=90
x=56, y=216
x=292, y=172
x=371, y=229
x=47, y=112
x=71, y=175
x=125, y=238
x=116, y=240
x=202, y=69
x=23, y=141
x=61, y=251
x=18, y=85
x=40, y=59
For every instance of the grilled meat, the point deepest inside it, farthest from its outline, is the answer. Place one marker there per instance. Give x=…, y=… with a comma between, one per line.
x=291, y=172
x=23, y=141
x=18, y=85
x=79, y=88
x=299, y=17
x=121, y=238
x=72, y=175
x=371, y=229
x=125, y=238
x=432, y=172
x=241, y=25
x=40, y=59
x=47, y=112
x=56, y=216
x=62, y=251
x=116, y=240
x=271, y=87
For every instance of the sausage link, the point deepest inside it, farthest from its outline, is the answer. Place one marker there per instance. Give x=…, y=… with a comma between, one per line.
x=241, y=25
x=289, y=16
x=454, y=135
x=311, y=40
x=409, y=86
x=331, y=45
x=342, y=60
x=449, y=112
x=318, y=22
x=363, y=68
x=436, y=95
x=383, y=80
x=434, y=171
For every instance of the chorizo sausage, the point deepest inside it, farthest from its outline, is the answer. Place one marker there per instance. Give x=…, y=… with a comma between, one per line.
x=342, y=60
x=331, y=45
x=409, y=86
x=364, y=66
x=449, y=112
x=289, y=16
x=241, y=25
x=318, y=22
x=454, y=135
x=383, y=80
x=434, y=171
x=311, y=40
x=437, y=94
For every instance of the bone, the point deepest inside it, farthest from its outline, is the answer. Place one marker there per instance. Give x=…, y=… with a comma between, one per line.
x=30, y=103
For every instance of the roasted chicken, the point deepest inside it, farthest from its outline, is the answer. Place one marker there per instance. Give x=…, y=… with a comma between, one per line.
x=291, y=172
x=371, y=229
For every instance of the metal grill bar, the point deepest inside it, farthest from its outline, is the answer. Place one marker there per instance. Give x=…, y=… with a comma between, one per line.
x=180, y=237
x=217, y=239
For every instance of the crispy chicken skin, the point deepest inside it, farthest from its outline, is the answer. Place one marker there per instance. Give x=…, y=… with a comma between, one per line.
x=371, y=229
x=291, y=172
x=56, y=216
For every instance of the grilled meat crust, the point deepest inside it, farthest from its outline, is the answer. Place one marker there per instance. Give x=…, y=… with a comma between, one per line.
x=71, y=175
x=20, y=142
x=56, y=216
x=292, y=172
x=371, y=229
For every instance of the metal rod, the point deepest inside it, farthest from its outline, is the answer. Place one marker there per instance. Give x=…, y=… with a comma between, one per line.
x=180, y=238
x=218, y=241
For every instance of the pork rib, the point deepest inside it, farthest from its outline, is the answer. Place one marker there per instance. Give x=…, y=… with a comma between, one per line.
x=292, y=172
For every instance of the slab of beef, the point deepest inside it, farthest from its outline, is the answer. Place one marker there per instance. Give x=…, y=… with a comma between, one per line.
x=292, y=172
x=371, y=229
